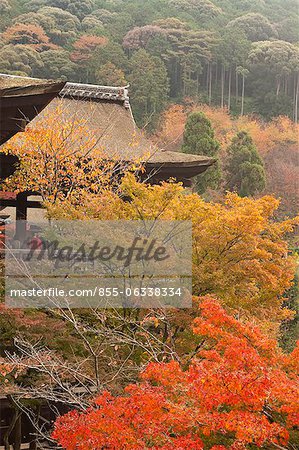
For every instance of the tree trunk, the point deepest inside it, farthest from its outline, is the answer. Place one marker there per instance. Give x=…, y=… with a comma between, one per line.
x=237, y=87
x=175, y=76
x=222, y=86
x=210, y=84
x=243, y=95
x=178, y=83
x=10, y=429
x=180, y=78
x=296, y=100
x=208, y=76
x=18, y=433
x=278, y=86
x=184, y=74
x=229, y=88
x=286, y=85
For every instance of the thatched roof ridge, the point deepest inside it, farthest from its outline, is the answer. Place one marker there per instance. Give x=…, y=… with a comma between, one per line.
x=96, y=92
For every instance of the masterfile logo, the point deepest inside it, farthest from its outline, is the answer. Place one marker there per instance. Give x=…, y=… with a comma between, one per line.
x=79, y=264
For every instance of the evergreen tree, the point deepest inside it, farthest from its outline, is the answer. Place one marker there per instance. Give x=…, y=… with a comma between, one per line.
x=255, y=27
x=245, y=172
x=199, y=139
x=149, y=87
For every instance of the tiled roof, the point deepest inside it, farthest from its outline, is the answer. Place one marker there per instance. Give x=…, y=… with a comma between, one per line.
x=95, y=92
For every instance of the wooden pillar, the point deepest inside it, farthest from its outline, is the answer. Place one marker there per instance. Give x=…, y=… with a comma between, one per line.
x=17, y=433
x=21, y=216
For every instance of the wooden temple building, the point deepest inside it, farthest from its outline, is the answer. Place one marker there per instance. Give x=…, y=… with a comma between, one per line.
x=107, y=114
x=109, y=118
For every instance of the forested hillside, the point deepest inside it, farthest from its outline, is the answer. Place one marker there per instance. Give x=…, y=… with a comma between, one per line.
x=218, y=81
x=242, y=55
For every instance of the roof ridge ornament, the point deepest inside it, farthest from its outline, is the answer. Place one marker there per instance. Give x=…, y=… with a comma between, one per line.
x=96, y=92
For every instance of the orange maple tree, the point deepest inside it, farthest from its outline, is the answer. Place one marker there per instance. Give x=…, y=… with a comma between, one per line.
x=276, y=141
x=239, y=392
x=85, y=45
x=281, y=131
x=28, y=34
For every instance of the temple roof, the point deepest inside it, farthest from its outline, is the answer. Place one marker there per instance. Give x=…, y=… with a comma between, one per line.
x=96, y=92
x=106, y=112
x=11, y=85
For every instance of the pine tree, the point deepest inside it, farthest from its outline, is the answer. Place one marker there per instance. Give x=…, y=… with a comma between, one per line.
x=199, y=139
x=245, y=172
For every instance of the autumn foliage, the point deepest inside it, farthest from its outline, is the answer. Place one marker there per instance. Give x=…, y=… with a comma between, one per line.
x=265, y=135
x=229, y=386
x=239, y=253
x=60, y=157
x=28, y=34
x=85, y=45
x=276, y=142
x=240, y=390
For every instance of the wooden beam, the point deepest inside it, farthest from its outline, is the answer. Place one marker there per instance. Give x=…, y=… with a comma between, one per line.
x=13, y=203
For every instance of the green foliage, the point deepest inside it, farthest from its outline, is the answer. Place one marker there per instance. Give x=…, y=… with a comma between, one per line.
x=108, y=54
x=272, y=64
x=279, y=57
x=92, y=25
x=199, y=139
x=240, y=7
x=271, y=105
x=58, y=63
x=245, y=172
x=4, y=6
x=79, y=8
x=149, y=85
x=255, y=26
x=20, y=60
x=233, y=47
x=288, y=29
x=204, y=46
x=65, y=25
x=203, y=9
x=36, y=18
